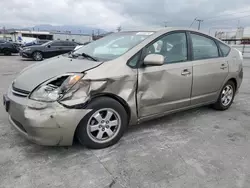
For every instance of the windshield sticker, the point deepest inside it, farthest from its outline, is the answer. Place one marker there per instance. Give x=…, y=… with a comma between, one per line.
x=144, y=33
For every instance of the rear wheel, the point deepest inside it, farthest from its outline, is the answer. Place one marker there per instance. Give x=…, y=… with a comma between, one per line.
x=37, y=56
x=226, y=96
x=104, y=125
x=6, y=52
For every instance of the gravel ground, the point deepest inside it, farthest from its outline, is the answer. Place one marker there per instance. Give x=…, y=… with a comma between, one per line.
x=195, y=148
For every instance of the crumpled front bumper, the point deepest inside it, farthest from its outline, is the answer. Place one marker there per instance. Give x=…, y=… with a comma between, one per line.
x=44, y=123
x=25, y=54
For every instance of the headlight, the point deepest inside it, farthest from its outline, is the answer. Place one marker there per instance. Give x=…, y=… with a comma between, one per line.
x=54, y=89
x=26, y=49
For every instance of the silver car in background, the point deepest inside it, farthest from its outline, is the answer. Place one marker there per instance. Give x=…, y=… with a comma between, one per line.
x=125, y=78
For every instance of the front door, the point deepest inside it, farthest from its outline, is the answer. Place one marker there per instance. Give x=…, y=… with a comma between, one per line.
x=167, y=87
x=209, y=69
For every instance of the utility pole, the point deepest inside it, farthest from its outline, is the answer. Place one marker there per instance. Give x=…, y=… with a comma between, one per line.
x=4, y=32
x=238, y=25
x=165, y=24
x=199, y=24
x=119, y=28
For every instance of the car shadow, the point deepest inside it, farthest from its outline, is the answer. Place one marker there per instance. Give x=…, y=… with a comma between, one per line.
x=34, y=150
x=169, y=119
x=26, y=59
x=9, y=55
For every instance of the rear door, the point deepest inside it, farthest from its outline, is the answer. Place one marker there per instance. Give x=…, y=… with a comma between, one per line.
x=67, y=46
x=167, y=87
x=55, y=48
x=71, y=46
x=210, y=69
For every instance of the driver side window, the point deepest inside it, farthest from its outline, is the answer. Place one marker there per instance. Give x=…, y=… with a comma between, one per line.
x=172, y=46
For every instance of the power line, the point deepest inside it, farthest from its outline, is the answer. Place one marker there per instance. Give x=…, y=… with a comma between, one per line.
x=192, y=22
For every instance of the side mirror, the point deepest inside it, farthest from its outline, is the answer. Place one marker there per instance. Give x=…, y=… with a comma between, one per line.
x=154, y=59
x=48, y=46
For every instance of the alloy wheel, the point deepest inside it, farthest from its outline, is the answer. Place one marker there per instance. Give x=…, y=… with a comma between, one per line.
x=103, y=125
x=38, y=56
x=227, y=95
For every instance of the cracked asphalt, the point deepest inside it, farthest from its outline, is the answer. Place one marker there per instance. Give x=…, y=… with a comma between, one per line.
x=199, y=148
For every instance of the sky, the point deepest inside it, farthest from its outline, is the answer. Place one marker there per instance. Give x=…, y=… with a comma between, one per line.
x=109, y=14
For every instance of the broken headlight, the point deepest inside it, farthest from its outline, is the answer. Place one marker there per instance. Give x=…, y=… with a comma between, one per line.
x=54, y=89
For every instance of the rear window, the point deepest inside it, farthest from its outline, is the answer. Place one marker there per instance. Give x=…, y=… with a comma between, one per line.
x=224, y=48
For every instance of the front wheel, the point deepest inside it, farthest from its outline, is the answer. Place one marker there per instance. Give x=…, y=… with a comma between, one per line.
x=104, y=125
x=37, y=56
x=226, y=97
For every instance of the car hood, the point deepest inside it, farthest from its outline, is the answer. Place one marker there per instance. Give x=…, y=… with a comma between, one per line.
x=38, y=73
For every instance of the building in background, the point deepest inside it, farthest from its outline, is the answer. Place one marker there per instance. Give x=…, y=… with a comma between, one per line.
x=234, y=36
x=81, y=38
x=27, y=35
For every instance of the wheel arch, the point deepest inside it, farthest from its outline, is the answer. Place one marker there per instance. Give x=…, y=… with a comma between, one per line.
x=113, y=96
x=37, y=51
x=234, y=81
x=117, y=98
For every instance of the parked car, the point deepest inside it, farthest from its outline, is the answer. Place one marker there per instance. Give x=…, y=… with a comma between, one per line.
x=7, y=48
x=36, y=42
x=80, y=45
x=47, y=50
x=94, y=96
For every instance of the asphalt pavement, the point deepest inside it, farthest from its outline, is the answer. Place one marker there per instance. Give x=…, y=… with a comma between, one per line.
x=200, y=148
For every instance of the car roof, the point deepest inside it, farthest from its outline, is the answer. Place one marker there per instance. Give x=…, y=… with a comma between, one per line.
x=167, y=29
x=161, y=29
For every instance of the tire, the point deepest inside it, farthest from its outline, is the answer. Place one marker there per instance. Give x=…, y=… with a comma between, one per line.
x=223, y=102
x=6, y=52
x=37, y=56
x=102, y=106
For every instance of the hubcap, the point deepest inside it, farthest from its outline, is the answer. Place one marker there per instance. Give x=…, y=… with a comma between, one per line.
x=227, y=95
x=38, y=56
x=104, y=125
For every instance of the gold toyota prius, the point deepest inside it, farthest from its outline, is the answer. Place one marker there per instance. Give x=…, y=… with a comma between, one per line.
x=125, y=78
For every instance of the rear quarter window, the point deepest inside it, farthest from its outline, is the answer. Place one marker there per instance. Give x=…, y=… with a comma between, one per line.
x=224, y=48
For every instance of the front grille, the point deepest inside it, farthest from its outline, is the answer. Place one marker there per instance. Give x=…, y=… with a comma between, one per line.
x=19, y=92
x=18, y=124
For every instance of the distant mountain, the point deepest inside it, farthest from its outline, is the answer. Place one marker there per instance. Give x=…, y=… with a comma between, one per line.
x=74, y=29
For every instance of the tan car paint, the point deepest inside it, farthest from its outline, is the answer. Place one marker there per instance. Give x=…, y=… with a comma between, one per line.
x=146, y=92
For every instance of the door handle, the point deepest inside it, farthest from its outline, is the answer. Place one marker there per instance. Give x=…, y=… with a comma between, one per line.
x=223, y=66
x=185, y=72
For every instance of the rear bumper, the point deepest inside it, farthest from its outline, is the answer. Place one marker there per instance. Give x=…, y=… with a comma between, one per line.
x=48, y=124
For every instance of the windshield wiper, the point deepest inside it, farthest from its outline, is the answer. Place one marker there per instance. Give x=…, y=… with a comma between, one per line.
x=83, y=55
x=89, y=56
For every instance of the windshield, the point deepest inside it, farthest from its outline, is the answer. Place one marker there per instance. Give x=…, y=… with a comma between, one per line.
x=114, y=45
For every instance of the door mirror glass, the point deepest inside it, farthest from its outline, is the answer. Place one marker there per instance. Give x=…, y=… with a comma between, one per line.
x=154, y=59
x=48, y=46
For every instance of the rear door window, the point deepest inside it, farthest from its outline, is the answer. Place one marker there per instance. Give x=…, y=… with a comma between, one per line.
x=204, y=47
x=57, y=43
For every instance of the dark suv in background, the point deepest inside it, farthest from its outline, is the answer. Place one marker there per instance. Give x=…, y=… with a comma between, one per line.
x=48, y=49
x=7, y=48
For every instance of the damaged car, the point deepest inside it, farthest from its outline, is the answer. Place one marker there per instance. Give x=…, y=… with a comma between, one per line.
x=123, y=79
